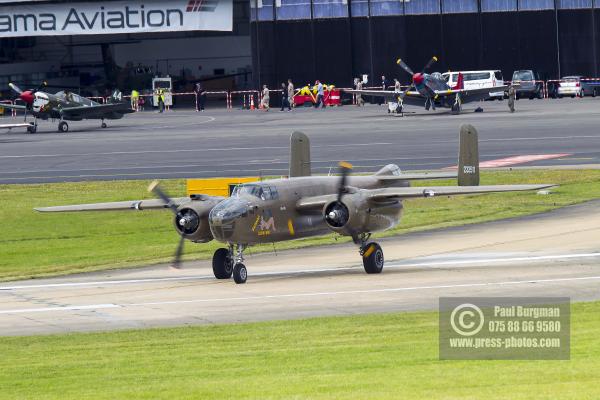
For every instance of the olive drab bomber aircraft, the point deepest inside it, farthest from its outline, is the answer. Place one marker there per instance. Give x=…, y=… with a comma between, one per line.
x=302, y=205
x=66, y=106
x=431, y=90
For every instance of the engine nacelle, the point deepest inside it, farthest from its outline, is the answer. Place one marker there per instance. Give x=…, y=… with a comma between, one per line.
x=348, y=216
x=191, y=221
x=354, y=215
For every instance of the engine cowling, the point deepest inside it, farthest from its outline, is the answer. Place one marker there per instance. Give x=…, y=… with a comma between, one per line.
x=348, y=216
x=191, y=221
x=354, y=215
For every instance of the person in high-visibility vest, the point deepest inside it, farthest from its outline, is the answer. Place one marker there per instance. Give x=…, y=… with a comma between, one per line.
x=135, y=97
x=160, y=95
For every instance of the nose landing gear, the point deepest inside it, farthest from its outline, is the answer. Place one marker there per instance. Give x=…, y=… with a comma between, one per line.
x=225, y=264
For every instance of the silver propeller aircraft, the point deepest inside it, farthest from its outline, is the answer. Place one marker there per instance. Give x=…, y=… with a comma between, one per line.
x=431, y=90
x=66, y=106
x=302, y=205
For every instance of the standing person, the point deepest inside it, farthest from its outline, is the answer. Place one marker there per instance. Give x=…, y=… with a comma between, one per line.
x=265, y=98
x=135, y=98
x=511, y=98
x=384, y=85
x=397, y=87
x=290, y=89
x=285, y=100
x=320, y=94
x=359, y=86
x=160, y=95
x=200, y=96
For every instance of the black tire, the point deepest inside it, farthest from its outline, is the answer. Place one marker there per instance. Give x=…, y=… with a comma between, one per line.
x=104, y=126
x=240, y=274
x=63, y=127
x=373, y=258
x=31, y=129
x=594, y=92
x=455, y=109
x=222, y=264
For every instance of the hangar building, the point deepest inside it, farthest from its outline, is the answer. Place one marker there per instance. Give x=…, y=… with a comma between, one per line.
x=238, y=44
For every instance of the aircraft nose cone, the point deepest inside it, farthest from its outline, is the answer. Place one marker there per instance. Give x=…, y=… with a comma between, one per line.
x=27, y=97
x=418, y=79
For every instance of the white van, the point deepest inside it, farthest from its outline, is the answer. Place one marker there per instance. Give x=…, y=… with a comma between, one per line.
x=478, y=80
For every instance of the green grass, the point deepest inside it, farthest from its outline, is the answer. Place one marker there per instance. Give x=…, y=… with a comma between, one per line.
x=389, y=356
x=34, y=245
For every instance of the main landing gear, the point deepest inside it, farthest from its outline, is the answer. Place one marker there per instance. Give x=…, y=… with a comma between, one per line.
x=226, y=264
x=32, y=128
x=63, y=127
x=371, y=252
x=103, y=126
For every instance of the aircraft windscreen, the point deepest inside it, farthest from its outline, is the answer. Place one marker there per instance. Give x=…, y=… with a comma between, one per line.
x=259, y=191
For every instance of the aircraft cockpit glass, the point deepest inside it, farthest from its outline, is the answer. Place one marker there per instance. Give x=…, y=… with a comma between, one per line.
x=437, y=75
x=262, y=192
x=74, y=98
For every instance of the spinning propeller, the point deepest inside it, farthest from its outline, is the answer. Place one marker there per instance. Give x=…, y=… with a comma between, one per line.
x=27, y=96
x=154, y=188
x=337, y=213
x=417, y=78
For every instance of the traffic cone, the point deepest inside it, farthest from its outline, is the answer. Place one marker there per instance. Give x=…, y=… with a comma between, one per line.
x=244, y=103
x=252, y=102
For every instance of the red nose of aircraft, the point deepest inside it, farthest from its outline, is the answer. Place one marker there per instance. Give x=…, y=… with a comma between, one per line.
x=27, y=97
x=418, y=78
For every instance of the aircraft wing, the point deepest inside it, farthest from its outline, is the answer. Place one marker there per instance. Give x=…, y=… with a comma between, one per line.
x=139, y=205
x=469, y=95
x=97, y=110
x=412, y=97
x=12, y=106
x=402, y=193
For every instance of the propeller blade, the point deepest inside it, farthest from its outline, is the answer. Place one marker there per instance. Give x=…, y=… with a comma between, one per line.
x=404, y=66
x=178, y=253
x=345, y=168
x=430, y=63
x=154, y=188
x=15, y=88
x=43, y=84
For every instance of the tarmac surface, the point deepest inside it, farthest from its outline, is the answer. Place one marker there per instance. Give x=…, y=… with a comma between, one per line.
x=183, y=143
x=550, y=254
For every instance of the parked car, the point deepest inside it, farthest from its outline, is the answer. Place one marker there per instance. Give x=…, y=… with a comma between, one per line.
x=575, y=86
x=478, y=80
x=529, y=84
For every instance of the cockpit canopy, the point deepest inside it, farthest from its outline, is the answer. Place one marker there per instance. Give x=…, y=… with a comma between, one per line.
x=75, y=98
x=261, y=191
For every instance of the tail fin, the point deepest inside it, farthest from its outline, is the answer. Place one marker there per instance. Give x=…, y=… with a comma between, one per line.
x=460, y=82
x=299, y=155
x=468, y=156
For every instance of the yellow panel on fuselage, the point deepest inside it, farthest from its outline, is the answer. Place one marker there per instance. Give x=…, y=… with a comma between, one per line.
x=216, y=186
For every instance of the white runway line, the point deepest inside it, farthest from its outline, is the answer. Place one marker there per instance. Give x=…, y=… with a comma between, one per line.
x=113, y=153
x=296, y=295
x=393, y=265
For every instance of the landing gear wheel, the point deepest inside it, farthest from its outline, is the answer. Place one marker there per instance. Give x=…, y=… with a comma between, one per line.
x=63, y=127
x=373, y=258
x=32, y=129
x=104, y=126
x=456, y=109
x=222, y=264
x=240, y=274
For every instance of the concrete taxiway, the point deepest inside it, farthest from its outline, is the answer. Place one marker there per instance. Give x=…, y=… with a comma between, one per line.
x=550, y=254
x=182, y=144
